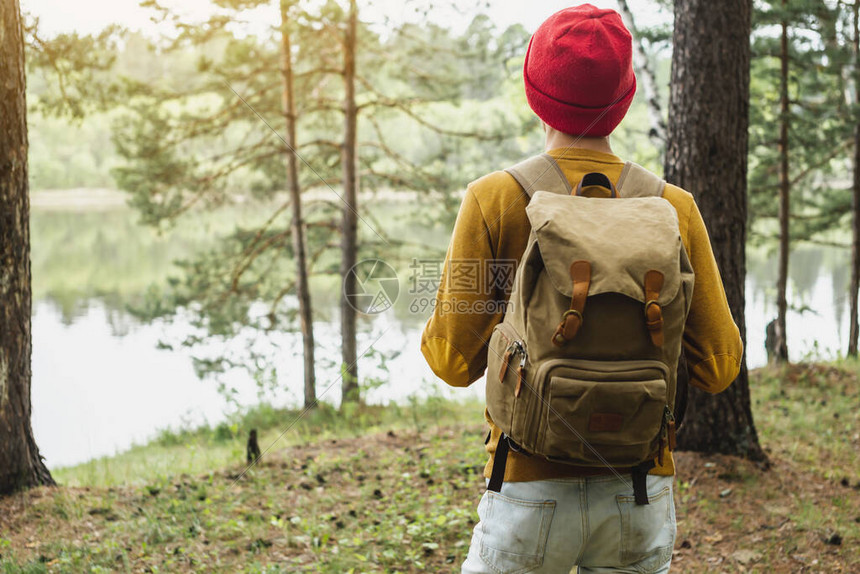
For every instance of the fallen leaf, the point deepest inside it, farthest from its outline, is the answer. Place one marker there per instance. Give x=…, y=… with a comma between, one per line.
x=746, y=556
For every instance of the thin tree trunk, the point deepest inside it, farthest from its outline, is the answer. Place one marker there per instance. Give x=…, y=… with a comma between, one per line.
x=855, y=244
x=349, y=239
x=780, y=344
x=707, y=155
x=302, y=289
x=21, y=466
x=646, y=77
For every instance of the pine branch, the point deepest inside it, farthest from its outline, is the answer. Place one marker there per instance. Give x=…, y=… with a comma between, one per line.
x=254, y=255
x=251, y=252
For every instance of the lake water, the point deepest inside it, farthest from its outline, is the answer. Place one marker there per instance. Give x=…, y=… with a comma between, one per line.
x=101, y=384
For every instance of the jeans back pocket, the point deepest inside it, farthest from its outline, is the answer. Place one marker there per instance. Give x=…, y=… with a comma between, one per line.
x=647, y=531
x=514, y=532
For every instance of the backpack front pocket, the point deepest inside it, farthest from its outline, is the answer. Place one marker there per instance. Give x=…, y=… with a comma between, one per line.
x=605, y=413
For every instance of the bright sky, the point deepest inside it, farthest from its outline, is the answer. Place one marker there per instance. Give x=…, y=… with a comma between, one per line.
x=88, y=16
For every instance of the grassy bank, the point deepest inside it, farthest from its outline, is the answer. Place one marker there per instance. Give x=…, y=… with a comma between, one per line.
x=394, y=490
x=212, y=448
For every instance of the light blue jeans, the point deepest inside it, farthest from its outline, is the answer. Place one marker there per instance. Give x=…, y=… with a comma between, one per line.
x=555, y=526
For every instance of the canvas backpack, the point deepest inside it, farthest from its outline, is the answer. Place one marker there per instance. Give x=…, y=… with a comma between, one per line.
x=582, y=370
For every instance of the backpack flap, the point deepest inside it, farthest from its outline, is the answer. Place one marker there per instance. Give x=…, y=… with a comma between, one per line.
x=622, y=240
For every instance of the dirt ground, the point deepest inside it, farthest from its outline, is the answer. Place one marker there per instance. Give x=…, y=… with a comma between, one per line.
x=405, y=501
x=732, y=516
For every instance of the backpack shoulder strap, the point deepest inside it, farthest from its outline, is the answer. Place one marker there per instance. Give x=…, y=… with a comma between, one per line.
x=636, y=181
x=540, y=172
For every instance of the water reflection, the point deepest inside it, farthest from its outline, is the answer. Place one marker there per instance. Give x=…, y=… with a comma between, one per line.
x=817, y=322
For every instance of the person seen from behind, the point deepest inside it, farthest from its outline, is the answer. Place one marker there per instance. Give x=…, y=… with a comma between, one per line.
x=614, y=274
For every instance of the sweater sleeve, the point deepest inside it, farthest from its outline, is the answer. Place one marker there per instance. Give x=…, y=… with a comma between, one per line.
x=711, y=338
x=454, y=341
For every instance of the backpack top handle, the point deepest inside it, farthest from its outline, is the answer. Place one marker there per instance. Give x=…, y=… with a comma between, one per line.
x=595, y=179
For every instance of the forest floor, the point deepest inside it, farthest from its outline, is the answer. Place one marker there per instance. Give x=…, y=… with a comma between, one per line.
x=403, y=498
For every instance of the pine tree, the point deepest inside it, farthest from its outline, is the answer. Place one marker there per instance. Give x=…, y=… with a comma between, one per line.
x=854, y=285
x=182, y=155
x=795, y=133
x=21, y=465
x=707, y=155
x=256, y=81
x=780, y=343
x=297, y=232
x=349, y=217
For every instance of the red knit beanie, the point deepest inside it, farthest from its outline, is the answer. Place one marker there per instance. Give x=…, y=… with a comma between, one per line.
x=578, y=71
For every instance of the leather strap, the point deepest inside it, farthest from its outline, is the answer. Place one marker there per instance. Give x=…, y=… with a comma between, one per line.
x=681, y=390
x=653, y=312
x=521, y=378
x=506, y=360
x=639, y=474
x=571, y=321
x=636, y=181
x=540, y=173
x=673, y=440
x=500, y=461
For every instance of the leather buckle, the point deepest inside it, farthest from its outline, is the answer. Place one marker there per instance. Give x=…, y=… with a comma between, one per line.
x=573, y=312
x=648, y=306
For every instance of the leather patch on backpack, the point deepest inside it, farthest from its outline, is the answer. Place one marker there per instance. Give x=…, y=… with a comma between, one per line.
x=605, y=422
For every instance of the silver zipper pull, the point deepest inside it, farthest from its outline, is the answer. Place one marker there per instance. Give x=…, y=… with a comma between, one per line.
x=522, y=349
x=521, y=371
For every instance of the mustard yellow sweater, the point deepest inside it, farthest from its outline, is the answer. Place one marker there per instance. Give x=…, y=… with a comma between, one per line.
x=492, y=224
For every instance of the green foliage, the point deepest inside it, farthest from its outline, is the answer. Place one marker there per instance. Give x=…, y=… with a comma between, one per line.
x=66, y=155
x=819, y=136
x=434, y=112
x=72, y=71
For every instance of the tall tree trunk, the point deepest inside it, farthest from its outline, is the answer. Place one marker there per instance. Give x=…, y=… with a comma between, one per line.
x=21, y=465
x=646, y=76
x=349, y=239
x=707, y=155
x=781, y=344
x=298, y=235
x=855, y=244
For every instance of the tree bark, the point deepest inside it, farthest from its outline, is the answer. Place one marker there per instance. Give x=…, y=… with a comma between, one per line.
x=647, y=79
x=855, y=244
x=780, y=354
x=707, y=155
x=297, y=225
x=21, y=466
x=349, y=231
